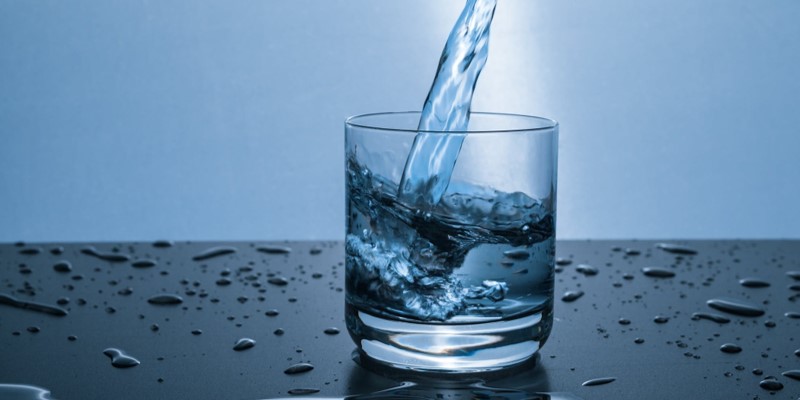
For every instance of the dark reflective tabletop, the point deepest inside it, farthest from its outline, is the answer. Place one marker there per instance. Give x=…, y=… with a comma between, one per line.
x=638, y=328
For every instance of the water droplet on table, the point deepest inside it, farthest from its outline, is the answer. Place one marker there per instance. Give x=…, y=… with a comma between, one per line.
x=197, y=332
x=793, y=374
x=563, y=261
x=143, y=264
x=274, y=249
x=586, y=269
x=332, y=331
x=119, y=359
x=31, y=251
x=278, y=281
x=23, y=392
x=623, y=321
x=271, y=313
x=165, y=299
x=599, y=381
x=720, y=319
x=299, y=392
x=753, y=283
x=62, y=266
x=660, y=319
x=655, y=272
x=110, y=257
x=571, y=295
x=162, y=243
x=771, y=385
x=214, y=252
x=32, y=305
x=736, y=307
x=298, y=368
x=730, y=348
x=244, y=344
x=676, y=249
x=223, y=282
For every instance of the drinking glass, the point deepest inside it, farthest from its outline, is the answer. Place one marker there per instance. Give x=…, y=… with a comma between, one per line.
x=463, y=283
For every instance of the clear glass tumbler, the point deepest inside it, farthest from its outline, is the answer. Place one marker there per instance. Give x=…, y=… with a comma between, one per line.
x=465, y=283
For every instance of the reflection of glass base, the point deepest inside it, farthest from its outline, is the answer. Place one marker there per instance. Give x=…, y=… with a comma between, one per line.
x=448, y=349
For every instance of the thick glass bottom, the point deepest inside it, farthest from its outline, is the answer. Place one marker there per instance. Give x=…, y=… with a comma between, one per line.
x=448, y=348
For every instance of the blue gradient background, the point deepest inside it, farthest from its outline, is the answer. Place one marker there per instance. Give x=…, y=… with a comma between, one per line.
x=136, y=120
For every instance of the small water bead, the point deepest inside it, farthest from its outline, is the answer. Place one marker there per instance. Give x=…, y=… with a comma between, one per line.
x=110, y=257
x=771, y=385
x=627, y=277
x=517, y=254
x=223, y=282
x=599, y=381
x=304, y=391
x=656, y=272
x=315, y=251
x=753, y=283
x=298, y=368
x=758, y=372
x=272, y=313
x=795, y=288
x=125, y=292
x=770, y=324
x=563, y=261
x=632, y=252
x=34, y=329
x=660, y=319
x=62, y=266
x=586, y=269
x=676, y=249
x=32, y=305
x=792, y=315
x=214, y=252
x=244, y=344
x=31, y=251
x=274, y=249
x=792, y=374
x=571, y=296
x=62, y=301
x=638, y=341
x=57, y=251
x=154, y=327
x=794, y=275
x=279, y=332
x=730, y=348
x=797, y=352
x=165, y=299
x=119, y=359
x=23, y=392
x=278, y=281
x=332, y=331
x=144, y=264
x=72, y=338
x=720, y=319
x=197, y=332
x=736, y=307
x=162, y=244
x=623, y=321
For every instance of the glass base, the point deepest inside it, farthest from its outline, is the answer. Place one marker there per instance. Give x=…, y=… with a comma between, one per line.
x=448, y=349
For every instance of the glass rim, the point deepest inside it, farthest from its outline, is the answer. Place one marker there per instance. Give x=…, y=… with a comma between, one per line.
x=352, y=121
